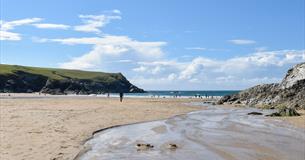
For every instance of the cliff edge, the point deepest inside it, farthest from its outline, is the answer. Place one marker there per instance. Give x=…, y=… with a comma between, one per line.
x=22, y=79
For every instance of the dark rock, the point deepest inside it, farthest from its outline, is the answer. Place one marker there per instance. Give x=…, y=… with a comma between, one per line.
x=142, y=146
x=224, y=99
x=172, y=146
x=255, y=113
x=290, y=92
x=21, y=82
x=285, y=112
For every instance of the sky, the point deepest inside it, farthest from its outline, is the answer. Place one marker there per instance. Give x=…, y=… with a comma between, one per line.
x=159, y=45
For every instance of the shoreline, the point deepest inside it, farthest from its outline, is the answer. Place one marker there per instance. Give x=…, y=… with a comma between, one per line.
x=113, y=95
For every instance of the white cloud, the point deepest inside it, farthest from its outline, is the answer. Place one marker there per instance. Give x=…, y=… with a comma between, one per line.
x=116, y=11
x=51, y=26
x=124, y=61
x=93, y=23
x=206, y=49
x=195, y=48
x=89, y=60
x=5, y=27
x=10, y=36
x=167, y=82
x=242, y=41
x=39, y=40
x=109, y=46
x=236, y=72
x=195, y=67
x=172, y=76
x=140, y=69
x=261, y=49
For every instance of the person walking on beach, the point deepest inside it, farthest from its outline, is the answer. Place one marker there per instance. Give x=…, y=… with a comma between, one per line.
x=121, y=96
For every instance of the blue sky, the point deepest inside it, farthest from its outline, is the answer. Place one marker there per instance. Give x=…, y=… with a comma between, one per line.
x=193, y=44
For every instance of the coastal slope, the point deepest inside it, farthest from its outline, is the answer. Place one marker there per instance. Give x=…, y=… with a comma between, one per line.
x=23, y=79
x=290, y=92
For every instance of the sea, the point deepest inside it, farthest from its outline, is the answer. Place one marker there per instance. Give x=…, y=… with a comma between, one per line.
x=185, y=94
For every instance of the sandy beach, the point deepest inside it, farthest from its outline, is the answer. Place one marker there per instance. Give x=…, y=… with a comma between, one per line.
x=56, y=128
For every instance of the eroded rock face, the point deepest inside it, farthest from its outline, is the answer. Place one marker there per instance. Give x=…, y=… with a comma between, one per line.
x=75, y=86
x=293, y=76
x=23, y=82
x=290, y=92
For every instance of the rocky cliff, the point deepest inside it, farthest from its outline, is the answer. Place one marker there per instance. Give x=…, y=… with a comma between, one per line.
x=21, y=79
x=290, y=92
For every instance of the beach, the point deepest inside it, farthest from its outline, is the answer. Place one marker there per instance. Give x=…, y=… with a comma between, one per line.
x=55, y=127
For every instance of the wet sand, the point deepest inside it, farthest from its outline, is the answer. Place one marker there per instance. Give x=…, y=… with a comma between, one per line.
x=216, y=133
x=55, y=128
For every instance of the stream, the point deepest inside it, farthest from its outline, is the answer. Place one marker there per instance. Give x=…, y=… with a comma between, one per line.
x=215, y=133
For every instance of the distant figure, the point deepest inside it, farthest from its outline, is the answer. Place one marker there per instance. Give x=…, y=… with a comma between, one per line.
x=108, y=95
x=121, y=96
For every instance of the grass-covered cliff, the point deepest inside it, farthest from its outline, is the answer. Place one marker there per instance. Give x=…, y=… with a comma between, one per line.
x=23, y=79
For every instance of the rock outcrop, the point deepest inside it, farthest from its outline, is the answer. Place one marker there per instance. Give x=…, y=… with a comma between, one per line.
x=290, y=92
x=20, y=79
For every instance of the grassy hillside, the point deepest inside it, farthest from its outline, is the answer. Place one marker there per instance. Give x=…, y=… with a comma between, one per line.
x=14, y=78
x=59, y=74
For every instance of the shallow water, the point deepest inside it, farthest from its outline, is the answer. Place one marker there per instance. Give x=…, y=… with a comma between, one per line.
x=215, y=133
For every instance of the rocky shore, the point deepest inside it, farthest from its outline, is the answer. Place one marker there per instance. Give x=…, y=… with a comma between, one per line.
x=290, y=92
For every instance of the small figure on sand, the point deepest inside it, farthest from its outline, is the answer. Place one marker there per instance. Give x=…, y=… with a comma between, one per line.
x=121, y=96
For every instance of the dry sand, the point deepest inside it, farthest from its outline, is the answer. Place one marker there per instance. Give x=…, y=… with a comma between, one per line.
x=55, y=128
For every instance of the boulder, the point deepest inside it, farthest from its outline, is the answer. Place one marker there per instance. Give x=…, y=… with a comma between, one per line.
x=285, y=112
x=255, y=113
